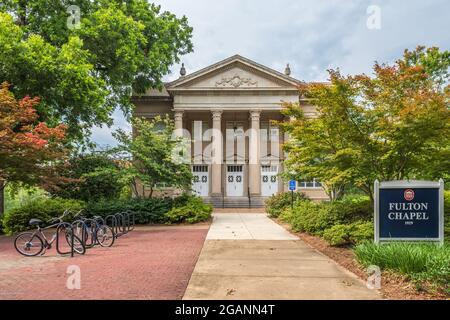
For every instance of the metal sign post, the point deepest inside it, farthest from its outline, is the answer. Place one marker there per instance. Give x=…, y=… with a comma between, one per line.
x=292, y=187
x=409, y=211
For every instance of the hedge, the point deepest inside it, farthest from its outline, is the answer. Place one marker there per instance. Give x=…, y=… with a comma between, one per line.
x=184, y=208
x=195, y=210
x=16, y=219
x=146, y=210
x=316, y=217
x=276, y=204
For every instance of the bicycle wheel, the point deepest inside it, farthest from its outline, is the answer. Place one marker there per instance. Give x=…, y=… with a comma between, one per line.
x=81, y=230
x=78, y=245
x=28, y=244
x=105, y=236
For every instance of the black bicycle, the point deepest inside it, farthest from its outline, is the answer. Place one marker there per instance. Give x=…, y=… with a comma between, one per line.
x=93, y=231
x=33, y=243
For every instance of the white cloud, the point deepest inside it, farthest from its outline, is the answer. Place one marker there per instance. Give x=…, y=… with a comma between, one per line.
x=312, y=35
x=103, y=135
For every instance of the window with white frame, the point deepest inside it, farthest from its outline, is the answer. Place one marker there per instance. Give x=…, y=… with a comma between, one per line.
x=310, y=184
x=201, y=130
x=269, y=132
x=269, y=137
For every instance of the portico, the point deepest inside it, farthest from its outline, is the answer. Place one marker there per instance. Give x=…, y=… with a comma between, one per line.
x=228, y=112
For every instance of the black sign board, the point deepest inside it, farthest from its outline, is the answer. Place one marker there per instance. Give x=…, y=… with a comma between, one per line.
x=409, y=211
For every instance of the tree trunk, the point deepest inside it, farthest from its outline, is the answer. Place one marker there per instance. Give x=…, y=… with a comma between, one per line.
x=2, y=197
x=134, y=188
x=22, y=18
x=151, y=193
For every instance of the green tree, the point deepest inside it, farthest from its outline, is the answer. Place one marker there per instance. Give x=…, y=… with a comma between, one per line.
x=83, y=73
x=394, y=125
x=92, y=177
x=155, y=160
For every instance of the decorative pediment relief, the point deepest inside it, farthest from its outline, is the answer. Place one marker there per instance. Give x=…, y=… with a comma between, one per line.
x=236, y=81
x=235, y=72
x=235, y=77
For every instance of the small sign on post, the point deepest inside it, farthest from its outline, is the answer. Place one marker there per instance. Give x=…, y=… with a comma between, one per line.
x=409, y=211
x=292, y=188
x=292, y=185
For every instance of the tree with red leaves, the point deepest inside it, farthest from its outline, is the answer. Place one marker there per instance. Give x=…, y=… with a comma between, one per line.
x=27, y=147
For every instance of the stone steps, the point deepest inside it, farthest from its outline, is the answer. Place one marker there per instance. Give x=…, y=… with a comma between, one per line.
x=235, y=202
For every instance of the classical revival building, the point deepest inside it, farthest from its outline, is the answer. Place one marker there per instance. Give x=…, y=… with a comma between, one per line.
x=226, y=110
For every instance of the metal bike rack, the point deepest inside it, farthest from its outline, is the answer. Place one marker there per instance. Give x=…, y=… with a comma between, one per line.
x=63, y=227
x=111, y=221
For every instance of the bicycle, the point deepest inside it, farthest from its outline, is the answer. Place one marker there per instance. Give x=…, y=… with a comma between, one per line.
x=95, y=230
x=33, y=243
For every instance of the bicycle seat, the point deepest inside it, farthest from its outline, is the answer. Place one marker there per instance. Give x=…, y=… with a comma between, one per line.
x=34, y=222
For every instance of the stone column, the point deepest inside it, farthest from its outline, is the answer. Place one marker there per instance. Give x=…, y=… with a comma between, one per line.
x=285, y=186
x=254, y=174
x=178, y=118
x=216, y=153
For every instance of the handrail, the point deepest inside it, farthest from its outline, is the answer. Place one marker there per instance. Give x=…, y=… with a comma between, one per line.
x=222, y=188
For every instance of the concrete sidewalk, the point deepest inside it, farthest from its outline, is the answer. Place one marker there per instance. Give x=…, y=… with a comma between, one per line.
x=246, y=226
x=264, y=261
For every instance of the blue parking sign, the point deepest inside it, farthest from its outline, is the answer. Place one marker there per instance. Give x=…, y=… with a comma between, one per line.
x=292, y=185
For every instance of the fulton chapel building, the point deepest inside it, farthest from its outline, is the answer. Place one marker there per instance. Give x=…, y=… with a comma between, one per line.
x=227, y=111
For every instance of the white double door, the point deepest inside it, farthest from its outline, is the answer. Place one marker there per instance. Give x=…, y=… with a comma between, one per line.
x=269, y=180
x=200, y=181
x=235, y=180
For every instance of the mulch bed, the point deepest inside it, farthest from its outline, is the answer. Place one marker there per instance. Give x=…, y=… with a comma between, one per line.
x=393, y=286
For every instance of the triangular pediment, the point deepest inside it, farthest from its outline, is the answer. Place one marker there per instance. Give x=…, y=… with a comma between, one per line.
x=234, y=73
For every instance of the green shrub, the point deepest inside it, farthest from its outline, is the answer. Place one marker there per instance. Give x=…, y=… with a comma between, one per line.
x=195, y=210
x=352, y=208
x=154, y=210
x=361, y=231
x=151, y=210
x=277, y=203
x=338, y=235
x=346, y=234
x=308, y=216
x=447, y=215
x=17, y=195
x=95, y=176
x=447, y=202
x=315, y=218
x=16, y=220
x=421, y=262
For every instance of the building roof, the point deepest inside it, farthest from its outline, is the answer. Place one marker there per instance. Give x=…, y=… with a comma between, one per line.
x=228, y=61
x=183, y=80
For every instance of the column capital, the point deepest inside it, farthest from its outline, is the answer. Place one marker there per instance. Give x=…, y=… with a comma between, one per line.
x=178, y=114
x=254, y=114
x=216, y=114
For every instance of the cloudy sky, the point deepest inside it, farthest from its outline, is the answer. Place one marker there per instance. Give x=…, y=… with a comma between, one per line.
x=311, y=35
